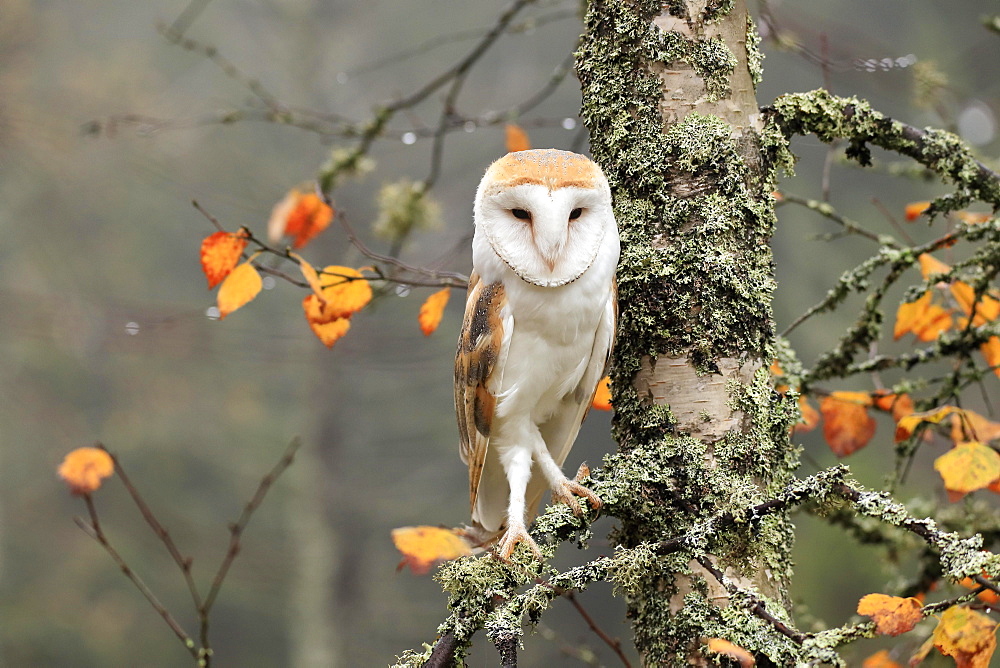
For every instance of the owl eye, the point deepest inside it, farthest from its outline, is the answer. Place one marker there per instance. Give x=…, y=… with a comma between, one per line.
x=521, y=214
x=575, y=213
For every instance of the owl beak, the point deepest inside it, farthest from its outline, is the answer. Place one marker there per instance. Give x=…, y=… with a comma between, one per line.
x=550, y=238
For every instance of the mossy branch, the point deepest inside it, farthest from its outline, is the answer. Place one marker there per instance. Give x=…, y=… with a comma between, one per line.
x=485, y=592
x=830, y=117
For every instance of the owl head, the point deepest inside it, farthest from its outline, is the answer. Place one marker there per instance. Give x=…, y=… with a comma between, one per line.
x=545, y=213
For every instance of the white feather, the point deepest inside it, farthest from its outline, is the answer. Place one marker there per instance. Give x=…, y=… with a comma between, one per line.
x=557, y=271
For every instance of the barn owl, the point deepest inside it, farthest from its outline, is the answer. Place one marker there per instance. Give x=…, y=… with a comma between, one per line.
x=538, y=329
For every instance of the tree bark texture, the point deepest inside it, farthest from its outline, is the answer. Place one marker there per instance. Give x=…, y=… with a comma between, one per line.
x=668, y=98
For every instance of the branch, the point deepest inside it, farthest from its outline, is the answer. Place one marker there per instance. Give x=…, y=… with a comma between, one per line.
x=95, y=531
x=830, y=117
x=184, y=563
x=614, y=643
x=236, y=531
x=757, y=606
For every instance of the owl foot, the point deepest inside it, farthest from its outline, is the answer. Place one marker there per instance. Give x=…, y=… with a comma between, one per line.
x=567, y=491
x=513, y=536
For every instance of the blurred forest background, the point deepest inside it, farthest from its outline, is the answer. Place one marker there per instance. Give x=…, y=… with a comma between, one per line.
x=108, y=131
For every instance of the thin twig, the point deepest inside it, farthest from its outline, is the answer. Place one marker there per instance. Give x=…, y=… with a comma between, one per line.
x=184, y=563
x=467, y=62
x=758, y=608
x=95, y=531
x=826, y=210
x=614, y=643
x=441, y=278
x=236, y=530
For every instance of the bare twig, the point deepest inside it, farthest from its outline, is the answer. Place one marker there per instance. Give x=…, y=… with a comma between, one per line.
x=95, y=531
x=467, y=62
x=826, y=210
x=236, y=530
x=183, y=562
x=614, y=643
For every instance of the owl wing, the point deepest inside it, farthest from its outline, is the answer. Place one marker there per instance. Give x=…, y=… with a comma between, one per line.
x=479, y=362
x=560, y=431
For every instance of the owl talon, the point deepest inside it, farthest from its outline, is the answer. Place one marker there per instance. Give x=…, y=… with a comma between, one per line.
x=567, y=492
x=513, y=536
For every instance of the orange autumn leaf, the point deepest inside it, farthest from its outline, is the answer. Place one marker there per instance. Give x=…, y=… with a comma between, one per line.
x=900, y=405
x=847, y=426
x=968, y=467
x=732, y=650
x=810, y=416
x=892, y=615
x=991, y=353
x=987, y=596
x=987, y=308
x=299, y=215
x=329, y=331
x=913, y=210
x=220, y=252
x=924, y=319
x=930, y=266
x=239, y=288
x=967, y=636
x=423, y=546
x=880, y=659
x=602, y=397
x=83, y=469
x=432, y=310
x=340, y=292
x=972, y=218
x=517, y=138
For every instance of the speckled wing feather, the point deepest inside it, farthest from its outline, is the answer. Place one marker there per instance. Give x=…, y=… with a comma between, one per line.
x=482, y=348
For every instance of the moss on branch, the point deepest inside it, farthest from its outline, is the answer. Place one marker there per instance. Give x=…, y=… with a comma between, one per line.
x=830, y=117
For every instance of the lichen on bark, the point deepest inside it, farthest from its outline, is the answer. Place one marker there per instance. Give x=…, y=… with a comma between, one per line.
x=692, y=196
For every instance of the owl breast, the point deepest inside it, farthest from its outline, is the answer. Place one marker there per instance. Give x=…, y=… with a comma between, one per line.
x=553, y=338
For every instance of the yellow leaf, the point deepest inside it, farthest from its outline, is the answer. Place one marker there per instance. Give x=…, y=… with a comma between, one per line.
x=219, y=254
x=342, y=292
x=423, y=546
x=906, y=425
x=892, y=615
x=847, y=426
x=83, y=469
x=602, y=397
x=239, y=288
x=971, y=426
x=732, y=650
x=517, y=138
x=968, y=467
x=309, y=273
x=967, y=636
x=432, y=310
x=327, y=331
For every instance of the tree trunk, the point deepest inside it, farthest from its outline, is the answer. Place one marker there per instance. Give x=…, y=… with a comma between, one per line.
x=668, y=97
